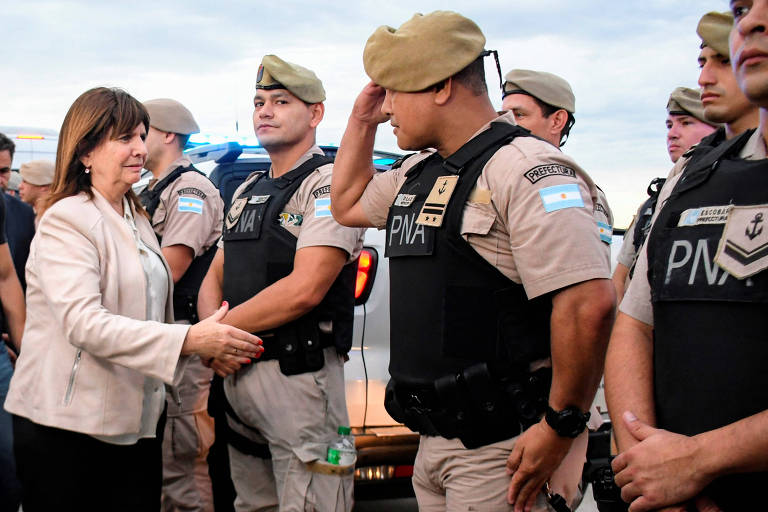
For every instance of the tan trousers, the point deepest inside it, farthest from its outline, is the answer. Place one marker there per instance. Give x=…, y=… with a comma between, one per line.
x=449, y=477
x=298, y=416
x=188, y=436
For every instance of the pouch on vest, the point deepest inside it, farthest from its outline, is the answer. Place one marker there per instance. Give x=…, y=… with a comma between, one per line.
x=300, y=347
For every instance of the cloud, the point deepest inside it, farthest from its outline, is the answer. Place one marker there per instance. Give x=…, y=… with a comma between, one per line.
x=621, y=58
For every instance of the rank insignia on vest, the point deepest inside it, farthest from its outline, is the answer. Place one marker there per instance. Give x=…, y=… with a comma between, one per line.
x=434, y=207
x=234, y=212
x=743, y=248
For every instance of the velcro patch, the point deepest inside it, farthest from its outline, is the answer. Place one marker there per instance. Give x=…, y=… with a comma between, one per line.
x=323, y=207
x=193, y=192
x=322, y=191
x=560, y=197
x=704, y=215
x=480, y=196
x=543, y=171
x=190, y=205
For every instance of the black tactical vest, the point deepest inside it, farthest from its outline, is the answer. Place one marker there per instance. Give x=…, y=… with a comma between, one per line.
x=710, y=345
x=260, y=252
x=643, y=222
x=186, y=289
x=450, y=308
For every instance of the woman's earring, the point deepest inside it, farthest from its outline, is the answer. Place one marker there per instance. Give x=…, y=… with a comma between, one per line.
x=87, y=170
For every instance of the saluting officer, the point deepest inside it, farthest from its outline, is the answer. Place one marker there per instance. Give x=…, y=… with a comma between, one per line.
x=495, y=228
x=685, y=376
x=186, y=212
x=544, y=103
x=287, y=269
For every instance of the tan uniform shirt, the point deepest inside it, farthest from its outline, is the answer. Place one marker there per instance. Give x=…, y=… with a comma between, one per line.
x=627, y=253
x=637, y=301
x=506, y=219
x=180, y=218
x=307, y=214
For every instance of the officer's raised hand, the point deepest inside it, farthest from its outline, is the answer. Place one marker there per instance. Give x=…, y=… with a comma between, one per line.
x=537, y=453
x=228, y=345
x=367, y=107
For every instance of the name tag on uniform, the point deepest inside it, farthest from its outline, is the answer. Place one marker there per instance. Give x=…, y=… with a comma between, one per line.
x=704, y=215
x=258, y=199
x=743, y=248
x=405, y=200
x=234, y=212
x=437, y=201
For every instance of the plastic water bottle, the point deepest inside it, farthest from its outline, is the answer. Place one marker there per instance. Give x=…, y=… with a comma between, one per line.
x=342, y=450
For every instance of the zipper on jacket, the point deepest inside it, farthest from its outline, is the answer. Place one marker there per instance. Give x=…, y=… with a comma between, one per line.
x=71, y=383
x=176, y=396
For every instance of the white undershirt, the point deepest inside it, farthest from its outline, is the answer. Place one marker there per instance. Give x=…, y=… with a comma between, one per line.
x=156, y=279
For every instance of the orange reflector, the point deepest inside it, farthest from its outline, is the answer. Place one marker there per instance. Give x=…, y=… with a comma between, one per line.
x=365, y=261
x=362, y=279
x=35, y=137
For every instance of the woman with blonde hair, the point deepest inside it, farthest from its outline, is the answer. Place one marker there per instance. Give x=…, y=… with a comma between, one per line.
x=87, y=394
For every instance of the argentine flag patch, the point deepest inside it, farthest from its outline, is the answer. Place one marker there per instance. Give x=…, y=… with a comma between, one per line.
x=323, y=207
x=191, y=204
x=606, y=232
x=560, y=197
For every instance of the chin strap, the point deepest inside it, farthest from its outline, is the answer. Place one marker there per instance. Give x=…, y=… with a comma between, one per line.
x=495, y=54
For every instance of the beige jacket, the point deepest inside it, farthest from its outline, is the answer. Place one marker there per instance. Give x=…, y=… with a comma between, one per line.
x=86, y=346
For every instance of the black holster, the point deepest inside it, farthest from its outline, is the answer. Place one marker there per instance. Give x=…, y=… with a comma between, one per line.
x=220, y=409
x=478, y=405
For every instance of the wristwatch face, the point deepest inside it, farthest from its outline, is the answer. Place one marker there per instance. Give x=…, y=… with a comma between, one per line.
x=570, y=422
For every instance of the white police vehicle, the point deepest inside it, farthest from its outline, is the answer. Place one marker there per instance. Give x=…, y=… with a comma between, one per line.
x=31, y=144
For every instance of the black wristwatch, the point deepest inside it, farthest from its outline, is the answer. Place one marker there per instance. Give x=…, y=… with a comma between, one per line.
x=570, y=422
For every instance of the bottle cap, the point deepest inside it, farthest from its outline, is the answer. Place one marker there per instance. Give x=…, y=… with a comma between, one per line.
x=344, y=431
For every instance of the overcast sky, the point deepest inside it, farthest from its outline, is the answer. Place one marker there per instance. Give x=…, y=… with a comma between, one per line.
x=621, y=58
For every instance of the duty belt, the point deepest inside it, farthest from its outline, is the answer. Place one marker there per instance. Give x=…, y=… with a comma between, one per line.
x=473, y=406
x=298, y=350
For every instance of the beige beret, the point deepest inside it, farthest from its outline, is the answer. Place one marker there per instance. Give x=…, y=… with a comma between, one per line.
x=547, y=87
x=714, y=29
x=423, y=51
x=685, y=101
x=169, y=115
x=275, y=73
x=14, y=180
x=37, y=172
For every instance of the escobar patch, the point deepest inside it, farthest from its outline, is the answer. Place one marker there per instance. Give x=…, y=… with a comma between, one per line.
x=193, y=191
x=704, y=215
x=542, y=171
x=322, y=191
